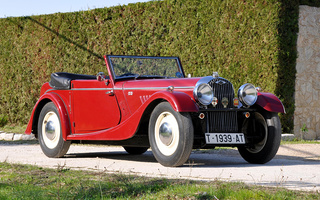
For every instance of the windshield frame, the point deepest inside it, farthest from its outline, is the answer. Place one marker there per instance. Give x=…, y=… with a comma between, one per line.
x=109, y=57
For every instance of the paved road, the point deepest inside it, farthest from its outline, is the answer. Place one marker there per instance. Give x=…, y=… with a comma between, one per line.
x=295, y=166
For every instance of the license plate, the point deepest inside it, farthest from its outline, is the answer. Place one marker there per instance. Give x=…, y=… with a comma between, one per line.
x=225, y=138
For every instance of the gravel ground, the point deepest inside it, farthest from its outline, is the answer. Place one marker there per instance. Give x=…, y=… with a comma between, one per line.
x=309, y=152
x=296, y=166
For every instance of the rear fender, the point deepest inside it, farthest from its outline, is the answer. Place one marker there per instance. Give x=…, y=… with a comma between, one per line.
x=61, y=107
x=180, y=101
x=270, y=102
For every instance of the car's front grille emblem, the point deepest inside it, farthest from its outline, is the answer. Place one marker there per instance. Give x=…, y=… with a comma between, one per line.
x=214, y=101
x=225, y=102
x=220, y=82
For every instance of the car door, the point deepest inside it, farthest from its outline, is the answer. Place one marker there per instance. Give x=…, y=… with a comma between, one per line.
x=94, y=106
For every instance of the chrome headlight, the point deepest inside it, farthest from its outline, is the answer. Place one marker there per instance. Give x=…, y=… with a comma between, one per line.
x=203, y=94
x=247, y=94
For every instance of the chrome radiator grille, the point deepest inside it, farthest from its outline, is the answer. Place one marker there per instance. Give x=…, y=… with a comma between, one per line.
x=222, y=121
x=222, y=88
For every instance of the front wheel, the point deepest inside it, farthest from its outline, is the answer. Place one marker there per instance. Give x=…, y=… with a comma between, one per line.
x=50, y=133
x=265, y=133
x=170, y=135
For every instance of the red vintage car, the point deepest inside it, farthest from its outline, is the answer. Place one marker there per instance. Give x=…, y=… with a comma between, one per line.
x=149, y=102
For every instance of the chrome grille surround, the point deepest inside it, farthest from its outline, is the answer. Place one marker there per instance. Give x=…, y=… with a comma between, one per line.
x=220, y=119
x=222, y=88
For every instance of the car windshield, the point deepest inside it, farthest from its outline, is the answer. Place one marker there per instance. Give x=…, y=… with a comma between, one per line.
x=153, y=67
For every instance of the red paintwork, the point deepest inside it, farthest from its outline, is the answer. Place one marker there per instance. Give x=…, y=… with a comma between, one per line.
x=93, y=109
x=270, y=102
x=109, y=110
x=92, y=114
x=45, y=87
x=141, y=90
x=60, y=105
x=126, y=129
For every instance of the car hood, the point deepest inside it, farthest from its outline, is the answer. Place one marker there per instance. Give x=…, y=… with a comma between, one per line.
x=177, y=83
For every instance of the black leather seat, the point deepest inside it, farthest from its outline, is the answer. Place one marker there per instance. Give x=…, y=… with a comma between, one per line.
x=62, y=80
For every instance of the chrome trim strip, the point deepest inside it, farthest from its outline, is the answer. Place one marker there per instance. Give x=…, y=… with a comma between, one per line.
x=77, y=89
x=140, y=88
x=205, y=79
x=49, y=91
x=156, y=88
x=81, y=89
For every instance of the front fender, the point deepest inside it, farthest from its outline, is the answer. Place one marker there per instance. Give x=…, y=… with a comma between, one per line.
x=61, y=107
x=270, y=102
x=180, y=101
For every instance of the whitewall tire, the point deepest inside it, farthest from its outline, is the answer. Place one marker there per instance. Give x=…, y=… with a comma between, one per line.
x=50, y=132
x=170, y=135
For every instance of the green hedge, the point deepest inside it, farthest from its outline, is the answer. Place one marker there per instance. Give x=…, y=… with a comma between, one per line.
x=245, y=41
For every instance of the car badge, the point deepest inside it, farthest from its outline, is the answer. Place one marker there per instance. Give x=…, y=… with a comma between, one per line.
x=225, y=102
x=220, y=82
x=236, y=102
x=214, y=101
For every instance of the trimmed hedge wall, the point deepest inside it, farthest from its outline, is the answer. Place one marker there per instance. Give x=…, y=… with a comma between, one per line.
x=245, y=41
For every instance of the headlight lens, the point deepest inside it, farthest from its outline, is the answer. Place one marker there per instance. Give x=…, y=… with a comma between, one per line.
x=203, y=94
x=247, y=94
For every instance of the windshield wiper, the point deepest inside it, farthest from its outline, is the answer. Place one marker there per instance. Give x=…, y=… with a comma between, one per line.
x=129, y=75
x=156, y=76
x=136, y=76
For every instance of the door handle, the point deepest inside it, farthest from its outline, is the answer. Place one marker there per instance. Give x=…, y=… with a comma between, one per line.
x=111, y=93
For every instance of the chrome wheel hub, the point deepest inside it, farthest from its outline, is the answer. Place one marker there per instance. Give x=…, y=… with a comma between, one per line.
x=51, y=129
x=165, y=133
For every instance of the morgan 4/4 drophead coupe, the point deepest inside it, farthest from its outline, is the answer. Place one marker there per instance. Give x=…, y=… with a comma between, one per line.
x=149, y=102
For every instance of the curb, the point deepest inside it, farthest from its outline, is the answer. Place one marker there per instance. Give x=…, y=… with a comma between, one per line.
x=287, y=137
x=15, y=136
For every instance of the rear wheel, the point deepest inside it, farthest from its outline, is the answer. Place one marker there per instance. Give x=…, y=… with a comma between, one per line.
x=50, y=134
x=170, y=135
x=266, y=132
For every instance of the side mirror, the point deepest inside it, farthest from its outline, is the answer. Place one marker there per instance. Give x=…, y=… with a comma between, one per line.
x=101, y=76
